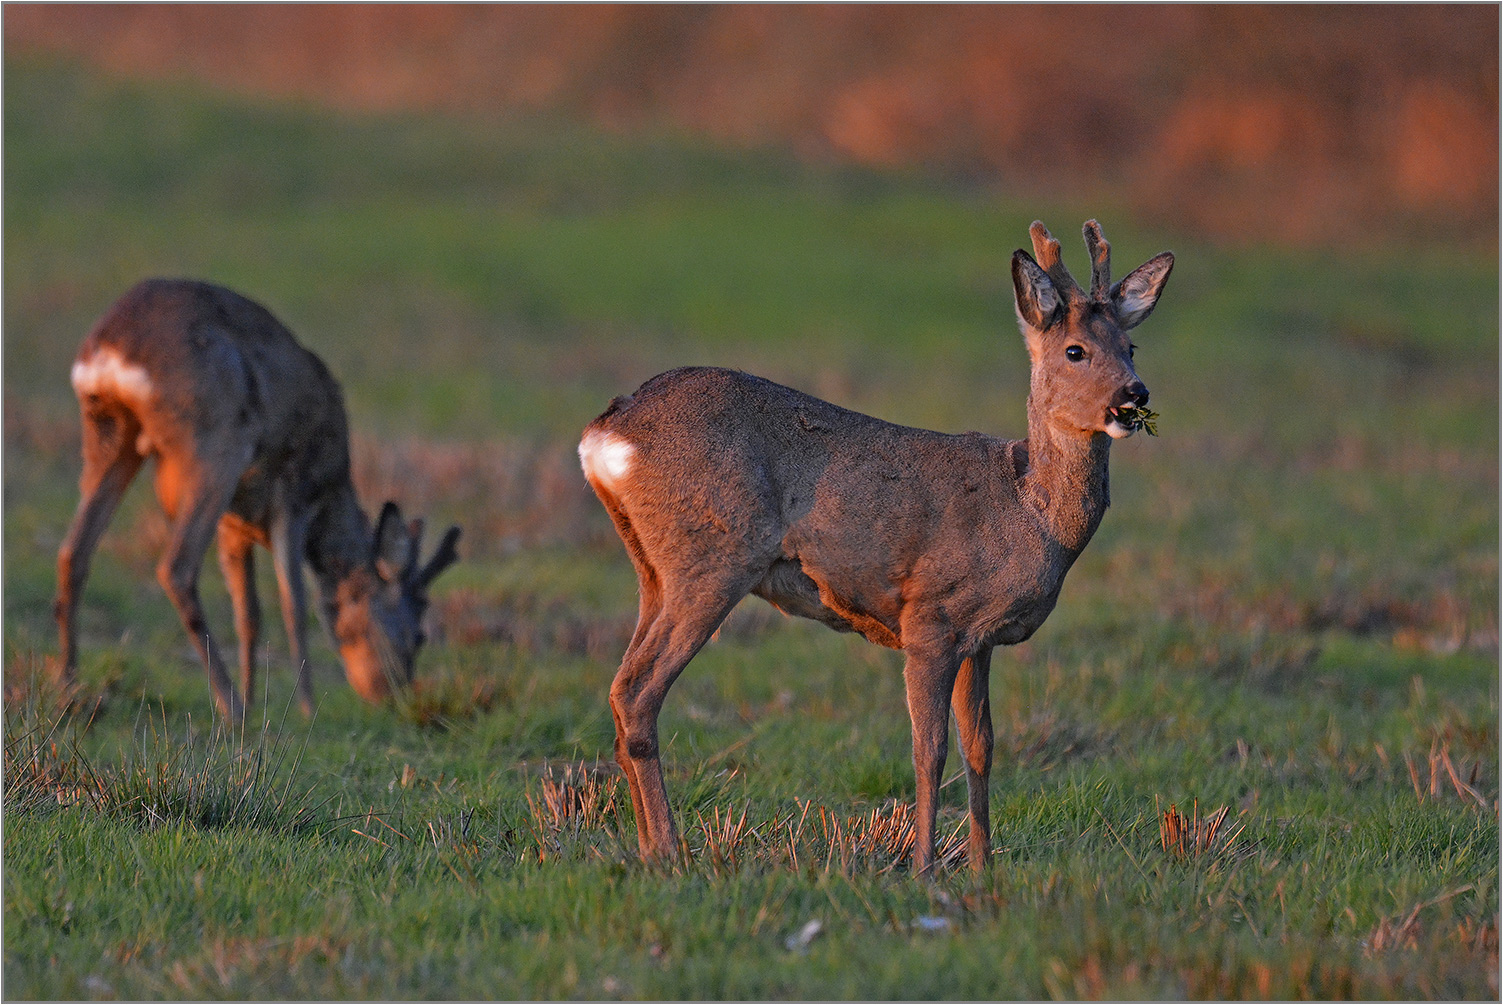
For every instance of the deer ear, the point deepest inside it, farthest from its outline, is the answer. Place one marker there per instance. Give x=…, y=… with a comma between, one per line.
x=1038, y=302
x=392, y=543
x=1134, y=297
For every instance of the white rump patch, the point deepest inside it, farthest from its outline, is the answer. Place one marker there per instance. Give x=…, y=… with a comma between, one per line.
x=106, y=372
x=605, y=457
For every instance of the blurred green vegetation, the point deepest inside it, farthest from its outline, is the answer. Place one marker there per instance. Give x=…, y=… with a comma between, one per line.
x=1293, y=599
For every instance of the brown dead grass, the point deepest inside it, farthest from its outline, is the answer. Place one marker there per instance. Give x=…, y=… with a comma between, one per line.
x=1197, y=837
x=1435, y=776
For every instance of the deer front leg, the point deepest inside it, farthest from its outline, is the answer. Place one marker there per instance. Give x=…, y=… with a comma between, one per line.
x=289, y=535
x=237, y=563
x=971, y=701
x=929, y=678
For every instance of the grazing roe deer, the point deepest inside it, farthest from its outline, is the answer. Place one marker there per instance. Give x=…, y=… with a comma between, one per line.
x=251, y=444
x=722, y=484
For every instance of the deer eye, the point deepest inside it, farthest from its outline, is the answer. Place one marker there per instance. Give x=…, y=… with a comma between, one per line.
x=1074, y=353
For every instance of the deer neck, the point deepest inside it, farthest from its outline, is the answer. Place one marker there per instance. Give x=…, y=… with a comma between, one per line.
x=1066, y=480
x=339, y=541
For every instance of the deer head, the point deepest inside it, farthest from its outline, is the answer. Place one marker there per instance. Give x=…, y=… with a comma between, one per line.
x=379, y=609
x=1083, y=374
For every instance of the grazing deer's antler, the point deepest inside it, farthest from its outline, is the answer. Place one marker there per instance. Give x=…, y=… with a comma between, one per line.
x=251, y=445
x=722, y=484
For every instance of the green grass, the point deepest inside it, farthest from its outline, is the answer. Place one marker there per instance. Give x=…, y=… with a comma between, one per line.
x=1290, y=610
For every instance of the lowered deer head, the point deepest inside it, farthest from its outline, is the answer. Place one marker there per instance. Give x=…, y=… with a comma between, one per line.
x=722, y=484
x=377, y=619
x=248, y=432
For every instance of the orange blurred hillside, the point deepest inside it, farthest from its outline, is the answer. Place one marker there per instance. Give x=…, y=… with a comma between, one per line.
x=1294, y=123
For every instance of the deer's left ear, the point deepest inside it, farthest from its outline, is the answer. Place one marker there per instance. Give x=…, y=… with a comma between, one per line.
x=392, y=543
x=1135, y=296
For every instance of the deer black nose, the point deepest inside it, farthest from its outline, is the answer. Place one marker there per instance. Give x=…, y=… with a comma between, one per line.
x=1136, y=393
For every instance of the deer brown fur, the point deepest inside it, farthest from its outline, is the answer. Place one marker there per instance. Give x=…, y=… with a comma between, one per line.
x=722, y=484
x=251, y=445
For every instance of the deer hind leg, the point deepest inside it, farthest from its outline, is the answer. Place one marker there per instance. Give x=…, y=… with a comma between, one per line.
x=237, y=563
x=971, y=701
x=110, y=462
x=684, y=623
x=649, y=606
x=197, y=494
x=929, y=678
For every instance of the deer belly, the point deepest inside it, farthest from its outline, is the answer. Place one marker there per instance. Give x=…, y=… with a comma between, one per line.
x=791, y=590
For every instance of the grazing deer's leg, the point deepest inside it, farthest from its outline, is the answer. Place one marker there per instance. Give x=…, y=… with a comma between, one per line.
x=648, y=670
x=198, y=499
x=237, y=563
x=929, y=678
x=973, y=721
x=110, y=461
x=288, y=538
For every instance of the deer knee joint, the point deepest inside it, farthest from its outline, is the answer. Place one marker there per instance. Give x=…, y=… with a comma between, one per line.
x=642, y=746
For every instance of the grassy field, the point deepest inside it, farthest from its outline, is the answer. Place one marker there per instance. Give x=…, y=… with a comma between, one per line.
x=1291, y=610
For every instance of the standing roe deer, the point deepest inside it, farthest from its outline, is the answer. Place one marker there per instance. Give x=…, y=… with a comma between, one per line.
x=250, y=439
x=723, y=484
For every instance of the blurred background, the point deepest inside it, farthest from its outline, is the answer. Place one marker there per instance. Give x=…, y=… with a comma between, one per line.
x=1307, y=123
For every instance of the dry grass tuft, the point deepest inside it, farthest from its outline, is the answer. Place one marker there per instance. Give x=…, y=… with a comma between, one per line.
x=1195, y=837
x=725, y=837
x=581, y=797
x=881, y=839
x=1394, y=933
x=1442, y=772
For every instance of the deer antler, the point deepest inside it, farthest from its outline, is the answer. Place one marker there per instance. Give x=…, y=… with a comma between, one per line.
x=1046, y=253
x=1101, y=261
x=445, y=556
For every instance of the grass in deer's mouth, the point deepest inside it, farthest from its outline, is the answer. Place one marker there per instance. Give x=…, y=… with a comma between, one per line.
x=1136, y=417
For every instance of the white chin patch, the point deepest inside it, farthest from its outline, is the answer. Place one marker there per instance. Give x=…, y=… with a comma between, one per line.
x=106, y=372
x=1117, y=431
x=606, y=458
